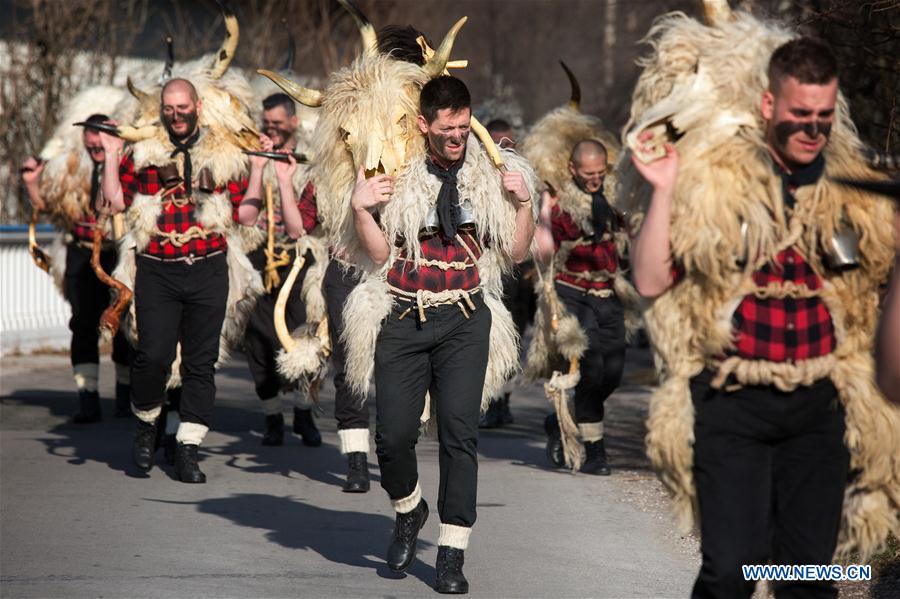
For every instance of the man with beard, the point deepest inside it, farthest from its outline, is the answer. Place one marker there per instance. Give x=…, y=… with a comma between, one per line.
x=584, y=281
x=294, y=215
x=87, y=295
x=770, y=464
x=436, y=337
x=179, y=216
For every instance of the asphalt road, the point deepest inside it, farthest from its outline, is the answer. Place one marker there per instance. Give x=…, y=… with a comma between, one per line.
x=76, y=520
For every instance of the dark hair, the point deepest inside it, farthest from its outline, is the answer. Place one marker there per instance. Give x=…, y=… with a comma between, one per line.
x=280, y=99
x=400, y=43
x=97, y=118
x=498, y=125
x=443, y=92
x=807, y=59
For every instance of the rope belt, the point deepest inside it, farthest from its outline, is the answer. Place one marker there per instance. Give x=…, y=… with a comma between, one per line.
x=589, y=291
x=189, y=259
x=179, y=239
x=440, y=264
x=594, y=276
x=423, y=299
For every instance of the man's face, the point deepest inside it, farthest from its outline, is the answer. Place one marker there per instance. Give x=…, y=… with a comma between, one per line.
x=179, y=112
x=589, y=170
x=93, y=146
x=447, y=133
x=280, y=127
x=799, y=117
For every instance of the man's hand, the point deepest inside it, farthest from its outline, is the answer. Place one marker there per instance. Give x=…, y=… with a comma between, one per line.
x=660, y=173
x=369, y=193
x=31, y=170
x=284, y=171
x=265, y=145
x=514, y=183
x=112, y=145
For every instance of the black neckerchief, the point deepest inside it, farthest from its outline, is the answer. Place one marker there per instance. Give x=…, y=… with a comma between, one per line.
x=601, y=214
x=448, y=197
x=184, y=148
x=96, y=173
x=806, y=175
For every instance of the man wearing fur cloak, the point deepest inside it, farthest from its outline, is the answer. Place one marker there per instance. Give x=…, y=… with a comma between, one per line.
x=431, y=230
x=426, y=245
x=181, y=186
x=767, y=425
x=578, y=225
x=294, y=216
x=68, y=185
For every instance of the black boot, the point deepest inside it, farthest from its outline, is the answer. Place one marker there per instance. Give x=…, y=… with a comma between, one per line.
x=554, y=448
x=357, y=473
x=595, y=459
x=402, y=549
x=305, y=426
x=89, y=402
x=144, y=445
x=450, y=578
x=186, y=468
x=123, y=400
x=169, y=445
x=274, y=434
x=506, y=416
x=492, y=416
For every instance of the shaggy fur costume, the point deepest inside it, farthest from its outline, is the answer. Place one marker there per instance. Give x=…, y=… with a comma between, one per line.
x=548, y=146
x=415, y=192
x=368, y=118
x=726, y=180
x=66, y=179
x=215, y=212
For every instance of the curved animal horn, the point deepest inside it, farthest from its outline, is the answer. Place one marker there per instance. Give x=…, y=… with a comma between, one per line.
x=112, y=316
x=139, y=94
x=281, y=329
x=366, y=30
x=304, y=95
x=716, y=11
x=226, y=51
x=490, y=147
x=575, y=99
x=437, y=63
x=134, y=134
x=170, y=60
x=289, y=59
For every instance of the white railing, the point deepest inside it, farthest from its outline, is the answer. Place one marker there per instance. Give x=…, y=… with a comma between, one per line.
x=33, y=314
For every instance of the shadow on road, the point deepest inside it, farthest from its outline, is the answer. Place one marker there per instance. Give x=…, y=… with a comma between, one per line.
x=355, y=539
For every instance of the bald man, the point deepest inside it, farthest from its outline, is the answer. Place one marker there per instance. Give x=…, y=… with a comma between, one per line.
x=580, y=232
x=182, y=282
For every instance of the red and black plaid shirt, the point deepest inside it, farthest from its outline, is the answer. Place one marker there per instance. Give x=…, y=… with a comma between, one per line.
x=403, y=274
x=309, y=212
x=174, y=217
x=784, y=330
x=586, y=257
x=776, y=329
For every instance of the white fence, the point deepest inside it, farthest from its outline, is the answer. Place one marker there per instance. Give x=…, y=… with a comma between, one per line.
x=33, y=314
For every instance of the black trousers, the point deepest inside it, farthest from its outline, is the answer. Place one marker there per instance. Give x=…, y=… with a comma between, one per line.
x=350, y=410
x=176, y=301
x=446, y=355
x=603, y=321
x=770, y=469
x=261, y=344
x=88, y=298
x=519, y=296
